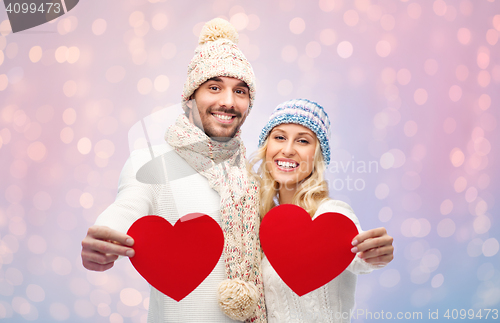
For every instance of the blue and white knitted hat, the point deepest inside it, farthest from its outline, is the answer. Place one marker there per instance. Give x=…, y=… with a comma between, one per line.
x=303, y=112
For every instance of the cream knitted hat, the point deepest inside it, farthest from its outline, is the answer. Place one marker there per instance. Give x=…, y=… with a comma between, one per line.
x=218, y=55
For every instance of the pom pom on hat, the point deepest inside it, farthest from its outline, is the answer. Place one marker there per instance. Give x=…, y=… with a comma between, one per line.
x=216, y=29
x=237, y=298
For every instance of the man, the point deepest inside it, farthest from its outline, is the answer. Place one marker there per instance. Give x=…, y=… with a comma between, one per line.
x=218, y=95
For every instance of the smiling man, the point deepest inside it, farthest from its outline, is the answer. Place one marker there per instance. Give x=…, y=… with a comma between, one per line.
x=218, y=95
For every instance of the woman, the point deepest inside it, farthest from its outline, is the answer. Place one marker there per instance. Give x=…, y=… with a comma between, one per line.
x=294, y=152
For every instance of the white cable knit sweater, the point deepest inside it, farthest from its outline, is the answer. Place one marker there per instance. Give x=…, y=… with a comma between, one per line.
x=171, y=192
x=330, y=303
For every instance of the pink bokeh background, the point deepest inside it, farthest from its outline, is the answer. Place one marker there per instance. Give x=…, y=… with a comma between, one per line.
x=412, y=88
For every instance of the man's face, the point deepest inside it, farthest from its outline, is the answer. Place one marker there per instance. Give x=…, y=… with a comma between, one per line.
x=220, y=107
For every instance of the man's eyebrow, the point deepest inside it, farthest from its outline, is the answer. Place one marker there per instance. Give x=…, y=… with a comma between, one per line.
x=218, y=79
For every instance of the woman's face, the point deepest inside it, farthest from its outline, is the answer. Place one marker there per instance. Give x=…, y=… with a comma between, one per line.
x=290, y=153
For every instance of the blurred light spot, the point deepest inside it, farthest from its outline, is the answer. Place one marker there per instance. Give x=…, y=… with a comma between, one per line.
x=37, y=244
x=446, y=207
x=484, y=102
x=471, y=194
x=67, y=135
x=17, y=226
x=410, y=128
x=99, y=26
x=136, y=19
x=97, y=278
x=61, y=266
x=483, y=181
x=490, y=247
x=328, y=5
x=253, y=22
x=59, y=311
x=73, y=197
x=492, y=36
x=84, y=308
x=455, y=93
x=485, y=272
x=168, y=50
x=35, y=293
x=383, y=48
x=457, y=157
x=410, y=180
x=42, y=201
x=15, y=75
x=430, y=261
x=297, y=25
x=144, y=86
x=86, y=200
x=161, y=83
x=4, y=80
x=451, y=13
x=460, y=184
x=104, y=148
x=420, y=228
x=483, y=57
x=387, y=160
x=5, y=27
x=487, y=121
x=197, y=28
x=70, y=88
x=12, y=50
x=159, y=21
x=389, y=278
x=483, y=78
x=414, y=10
x=115, y=318
x=482, y=146
x=100, y=296
x=14, y=276
x=345, y=49
x=313, y=49
x=446, y=228
x=387, y=22
x=115, y=74
x=482, y=224
x=103, y=309
x=437, y=281
x=79, y=286
x=73, y=54
x=18, y=169
x=61, y=54
x=388, y=75
x=382, y=191
x=412, y=202
x=420, y=96
x=84, y=145
x=69, y=116
x=403, y=76
x=289, y=53
x=351, y=18
x=474, y=248
x=240, y=21
x=496, y=22
x=417, y=276
x=449, y=125
x=385, y=214
x=130, y=297
x=285, y=87
x=35, y=54
x=431, y=66
x=439, y=7
x=37, y=151
x=327, y=37
x=464, y=36
x=374, y=13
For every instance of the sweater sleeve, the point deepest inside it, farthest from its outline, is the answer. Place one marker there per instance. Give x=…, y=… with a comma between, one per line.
x=134, y=199
x=358, y=265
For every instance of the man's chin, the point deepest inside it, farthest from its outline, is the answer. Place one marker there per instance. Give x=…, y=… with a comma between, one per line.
x=222, y=139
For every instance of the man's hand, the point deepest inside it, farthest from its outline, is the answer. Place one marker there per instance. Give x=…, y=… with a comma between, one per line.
x=102, y=246
x=374, y=246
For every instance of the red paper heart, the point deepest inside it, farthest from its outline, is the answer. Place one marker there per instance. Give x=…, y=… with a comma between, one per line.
x=176, y=259
x=307, y=254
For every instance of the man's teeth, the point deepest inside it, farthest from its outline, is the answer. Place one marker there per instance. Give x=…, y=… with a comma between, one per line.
x=223, y=117
x=287, y=164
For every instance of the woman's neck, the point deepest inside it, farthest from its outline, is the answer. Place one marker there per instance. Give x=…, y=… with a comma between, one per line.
x=286, y=194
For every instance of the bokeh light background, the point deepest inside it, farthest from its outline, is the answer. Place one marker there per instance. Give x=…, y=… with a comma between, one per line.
x=412, y=87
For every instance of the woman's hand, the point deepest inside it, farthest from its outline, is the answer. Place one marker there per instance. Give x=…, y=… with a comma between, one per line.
x=374, y=246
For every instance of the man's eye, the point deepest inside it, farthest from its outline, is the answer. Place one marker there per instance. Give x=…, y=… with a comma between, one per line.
x=240, y=91
x=215, y=88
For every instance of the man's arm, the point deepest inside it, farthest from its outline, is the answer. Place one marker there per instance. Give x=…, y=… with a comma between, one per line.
x=102, y=246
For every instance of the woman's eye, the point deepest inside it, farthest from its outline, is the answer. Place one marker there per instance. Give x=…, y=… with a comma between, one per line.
x=303, y=141
x=279, y=137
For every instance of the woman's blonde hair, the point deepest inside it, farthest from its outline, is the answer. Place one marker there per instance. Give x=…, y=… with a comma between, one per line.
x=311, y=192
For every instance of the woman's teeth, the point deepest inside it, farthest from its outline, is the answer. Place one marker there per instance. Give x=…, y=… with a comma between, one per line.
x=287, y=164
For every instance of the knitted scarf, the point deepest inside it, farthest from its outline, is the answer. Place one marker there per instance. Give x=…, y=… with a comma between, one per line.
x=241, y=297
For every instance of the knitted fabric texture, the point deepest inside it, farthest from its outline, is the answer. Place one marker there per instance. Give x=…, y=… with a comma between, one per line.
x=218, y=55
x=303, y=112
x=223, y=164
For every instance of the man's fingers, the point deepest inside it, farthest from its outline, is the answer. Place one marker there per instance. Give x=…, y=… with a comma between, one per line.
x=368, y=234
x=105, y=233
